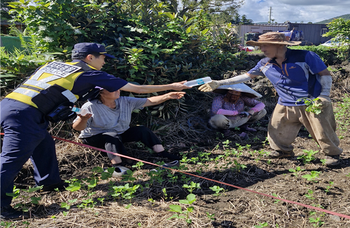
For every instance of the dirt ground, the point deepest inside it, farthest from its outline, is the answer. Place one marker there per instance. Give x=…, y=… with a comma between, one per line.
x=212, y=155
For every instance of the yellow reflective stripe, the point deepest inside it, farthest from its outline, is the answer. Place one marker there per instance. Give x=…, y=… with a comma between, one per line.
x=21, y=98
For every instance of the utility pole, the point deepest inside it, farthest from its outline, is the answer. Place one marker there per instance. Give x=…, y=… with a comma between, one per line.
x=270, y=15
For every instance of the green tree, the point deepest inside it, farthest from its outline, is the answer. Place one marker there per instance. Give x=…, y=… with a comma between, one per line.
x=241, y=20
x=153, y=45
x=220, y=11
x=340, y=29
x=208, y=6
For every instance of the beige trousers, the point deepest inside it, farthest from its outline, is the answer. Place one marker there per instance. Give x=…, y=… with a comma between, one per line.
x=222, y=122
x=286, y=122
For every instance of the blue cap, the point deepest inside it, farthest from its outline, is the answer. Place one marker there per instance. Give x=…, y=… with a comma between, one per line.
x=90, y=48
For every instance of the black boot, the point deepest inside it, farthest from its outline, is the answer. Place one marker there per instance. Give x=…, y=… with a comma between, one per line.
x=61, y=186
x=8, y=212
x=166, y=154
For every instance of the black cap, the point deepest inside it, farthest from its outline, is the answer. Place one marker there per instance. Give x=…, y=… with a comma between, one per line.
x=90, y=48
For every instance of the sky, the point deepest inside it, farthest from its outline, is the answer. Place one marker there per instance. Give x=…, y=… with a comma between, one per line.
x=294, y=10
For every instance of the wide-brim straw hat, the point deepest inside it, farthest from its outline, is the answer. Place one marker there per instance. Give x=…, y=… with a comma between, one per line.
x=272, y=38
x=243, y=88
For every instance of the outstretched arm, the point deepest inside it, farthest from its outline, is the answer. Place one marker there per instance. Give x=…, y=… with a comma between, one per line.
x=209, y=87
x=154, y=88
x=161, y=98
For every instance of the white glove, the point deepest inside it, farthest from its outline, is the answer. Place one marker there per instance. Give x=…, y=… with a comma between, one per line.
x=209, y=87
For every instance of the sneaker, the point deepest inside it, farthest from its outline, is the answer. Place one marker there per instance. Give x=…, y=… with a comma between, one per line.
x=119, y=171
x=9, y=212
x=171, y=164
x=244, y=136
x=332, y=160
x=227, y=132
x=53, y=187
x=246, y=128
x=280, y=154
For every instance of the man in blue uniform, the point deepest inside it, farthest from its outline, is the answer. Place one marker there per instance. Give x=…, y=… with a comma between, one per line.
x=296, y=75
x=49, y=95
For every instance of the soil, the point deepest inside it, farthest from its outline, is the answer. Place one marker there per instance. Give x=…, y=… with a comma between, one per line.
x=229, y=159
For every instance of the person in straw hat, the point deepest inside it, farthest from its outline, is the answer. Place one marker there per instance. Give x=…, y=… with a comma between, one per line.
x=236, y=106
x=296, y=75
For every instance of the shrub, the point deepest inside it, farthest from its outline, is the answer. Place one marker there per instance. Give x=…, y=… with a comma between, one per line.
x=152, y=44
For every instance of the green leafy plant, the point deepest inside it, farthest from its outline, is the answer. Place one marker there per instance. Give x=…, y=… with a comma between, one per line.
x=166, y=194
x=138, y=165
x=310, y=195
x=275, y=195
x=125, y=192
x=296, y=171
x=69, y=204
x=312, y=176
x=311, y=105
x=5, y=224
x=217, y=190
x=74, y=185
x=316, y=222
x=331, y=183
x=26, y=200
x=193, y=186
x=261, y=225
x=238, y=167
x=308, y=156
x=210, y=216
x=183, y=214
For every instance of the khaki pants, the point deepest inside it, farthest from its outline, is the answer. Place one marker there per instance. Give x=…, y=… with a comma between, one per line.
x=223, y=122
x=286, y=122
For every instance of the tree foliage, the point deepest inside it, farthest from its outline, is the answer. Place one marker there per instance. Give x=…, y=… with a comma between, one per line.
x=340, y=29
x=4, y=10
x=241, y=20
x=152, y=43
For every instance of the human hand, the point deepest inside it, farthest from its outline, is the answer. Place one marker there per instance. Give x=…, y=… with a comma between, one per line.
x=244, y=114
x=86, y=116
x=179, y=85
x=176, y=95
x=209, y=87
x=324, y=98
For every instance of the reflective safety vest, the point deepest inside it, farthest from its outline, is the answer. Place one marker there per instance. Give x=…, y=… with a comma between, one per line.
x=50, y=86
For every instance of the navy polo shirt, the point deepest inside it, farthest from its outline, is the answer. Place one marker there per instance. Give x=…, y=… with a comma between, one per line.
x=89, y=79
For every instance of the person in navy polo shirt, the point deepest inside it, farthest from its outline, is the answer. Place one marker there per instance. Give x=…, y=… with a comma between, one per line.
x=48, y=95
x=296, y=75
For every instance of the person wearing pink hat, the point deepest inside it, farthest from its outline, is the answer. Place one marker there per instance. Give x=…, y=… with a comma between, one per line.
x=236, y=106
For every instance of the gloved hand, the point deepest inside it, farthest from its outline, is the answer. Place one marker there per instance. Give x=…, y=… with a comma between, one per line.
x=209, y=87
x=324, y=98
x=244, y=114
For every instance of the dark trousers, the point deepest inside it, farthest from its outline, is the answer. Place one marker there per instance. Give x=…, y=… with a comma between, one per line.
x=112, y=142
x=25, y=137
